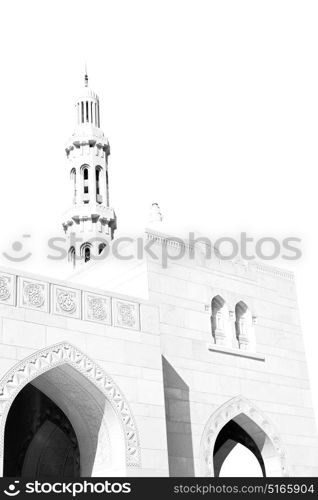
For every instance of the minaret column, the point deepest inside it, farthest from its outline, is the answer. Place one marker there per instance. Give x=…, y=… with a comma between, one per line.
x=88, y=148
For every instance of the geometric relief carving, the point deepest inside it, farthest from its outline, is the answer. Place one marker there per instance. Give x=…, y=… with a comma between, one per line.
x=126, y=314
x=7, y=288
x=236, y=406
x=66, y=301
x=33, y=294
x=97, y=308
x=59, y=354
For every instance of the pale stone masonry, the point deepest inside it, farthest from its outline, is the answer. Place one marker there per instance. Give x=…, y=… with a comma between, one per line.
x=119, y=334
x=201, y=376
x=177, y=387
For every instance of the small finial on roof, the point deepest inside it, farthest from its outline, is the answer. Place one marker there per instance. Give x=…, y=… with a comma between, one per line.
x=155, y=213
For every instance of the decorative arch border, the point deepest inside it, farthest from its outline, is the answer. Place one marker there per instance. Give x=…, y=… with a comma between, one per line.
x=84, y=165
x=64, y=353
x=224, y=414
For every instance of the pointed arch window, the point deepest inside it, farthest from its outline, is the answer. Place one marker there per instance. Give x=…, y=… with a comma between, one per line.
x=85, y=182
x=244, y=326
x=86, y=252
x=107, y=190
x=98, y=177
x=87, y=111
x=82, y=111
x=73, y=179
x=71, y=256
x=219, y=320
x=101, y=247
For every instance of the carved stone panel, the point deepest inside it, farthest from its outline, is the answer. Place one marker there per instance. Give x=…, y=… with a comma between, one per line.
x=126, y=314
x=66, y=301
x=7, y=289
x=33, y=294
x=97, y=308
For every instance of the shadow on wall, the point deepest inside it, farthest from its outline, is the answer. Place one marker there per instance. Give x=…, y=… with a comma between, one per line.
x=178, y=421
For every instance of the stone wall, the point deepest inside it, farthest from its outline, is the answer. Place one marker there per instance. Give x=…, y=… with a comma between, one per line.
x=200, y=376
x=117, y=333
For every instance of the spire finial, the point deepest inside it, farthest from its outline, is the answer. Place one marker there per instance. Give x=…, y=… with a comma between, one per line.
x=86, y=76
x=155, y=213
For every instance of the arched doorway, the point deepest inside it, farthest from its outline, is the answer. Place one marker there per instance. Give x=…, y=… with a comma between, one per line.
x=91, y=408
x=241, y=462
x=230, y=436
x=39, y=439
x=239, y=422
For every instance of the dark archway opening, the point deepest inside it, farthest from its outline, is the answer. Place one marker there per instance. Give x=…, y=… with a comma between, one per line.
x=231, y=435
x=87, y=254
x=39, y=439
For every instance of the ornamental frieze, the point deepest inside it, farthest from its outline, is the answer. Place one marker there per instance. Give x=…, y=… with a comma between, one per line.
x=33, y=294
x=7, y=289
x=97, y=308
x=66, y=301
x=126, y=314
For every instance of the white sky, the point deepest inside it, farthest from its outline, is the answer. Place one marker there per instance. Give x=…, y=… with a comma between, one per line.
x=210, y=107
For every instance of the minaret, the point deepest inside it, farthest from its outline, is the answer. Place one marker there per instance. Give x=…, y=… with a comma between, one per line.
x=90, y=222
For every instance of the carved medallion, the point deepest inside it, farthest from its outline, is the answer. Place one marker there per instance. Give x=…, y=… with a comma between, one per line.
x=34, y=294
x=4, y=288
x=97, y=309
x=126, y=314
x=66, y=301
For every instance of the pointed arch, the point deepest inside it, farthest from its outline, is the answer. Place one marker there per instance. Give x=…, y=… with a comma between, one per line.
x=84, y=171
x=99, y=182
x=73, y=179
x=85, y=251
x=242, y=410
x=72, y=255
x=66, y=355
x=244, y=326
x=220, y=321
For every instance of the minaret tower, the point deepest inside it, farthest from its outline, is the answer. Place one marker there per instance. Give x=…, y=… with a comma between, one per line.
x=90, y=223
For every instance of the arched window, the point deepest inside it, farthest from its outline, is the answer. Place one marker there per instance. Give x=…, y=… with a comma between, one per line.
x=71, y=255
x=86, y=252
x=101, y=247
x=87, y=255
x=107, y=190
x=98, y=184
x=84, y=172
x=219, y=321
x=82, y=111
x=244, y=326
x=73, y=178
x=87, y=111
